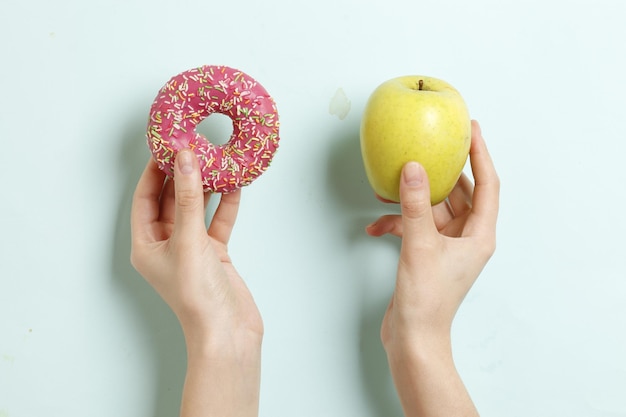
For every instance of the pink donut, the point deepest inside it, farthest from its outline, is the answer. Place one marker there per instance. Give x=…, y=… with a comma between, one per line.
x=190, y=97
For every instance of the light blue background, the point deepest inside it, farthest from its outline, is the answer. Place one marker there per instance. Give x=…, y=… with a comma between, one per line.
x=542, y=332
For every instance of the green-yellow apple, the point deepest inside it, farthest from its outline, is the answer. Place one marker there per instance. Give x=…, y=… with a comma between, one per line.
x=415, y=118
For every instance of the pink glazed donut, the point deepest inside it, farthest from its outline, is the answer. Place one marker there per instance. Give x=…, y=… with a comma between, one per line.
x=190, y=97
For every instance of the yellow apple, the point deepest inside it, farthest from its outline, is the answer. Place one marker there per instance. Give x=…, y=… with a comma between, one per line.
x=415, y=118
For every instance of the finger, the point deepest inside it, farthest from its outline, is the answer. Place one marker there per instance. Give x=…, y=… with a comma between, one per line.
x=417, y=217
x=486, y=196
x=442, y=214
x=189, y=205
x=387, y=224
x=225, y=216
x=207, y=198
x=168, y=202
x=384, y=200
x=460, y=199
x=145, y=207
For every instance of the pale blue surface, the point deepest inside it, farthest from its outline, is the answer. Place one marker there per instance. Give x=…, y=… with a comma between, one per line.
x=542, y=332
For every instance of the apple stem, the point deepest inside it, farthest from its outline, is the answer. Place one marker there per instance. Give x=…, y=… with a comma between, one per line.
x=421, y=85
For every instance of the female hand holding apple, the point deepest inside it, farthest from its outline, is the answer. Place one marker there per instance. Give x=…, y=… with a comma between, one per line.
x=444, y=249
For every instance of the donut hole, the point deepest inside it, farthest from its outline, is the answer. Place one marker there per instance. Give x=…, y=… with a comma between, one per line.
x=217, y=128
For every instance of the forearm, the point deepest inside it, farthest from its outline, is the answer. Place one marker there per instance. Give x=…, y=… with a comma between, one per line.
x=428, y=383
x=222, y=380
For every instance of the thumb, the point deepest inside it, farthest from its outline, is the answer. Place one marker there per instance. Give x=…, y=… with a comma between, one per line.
x=417, y=217
x=189, y=196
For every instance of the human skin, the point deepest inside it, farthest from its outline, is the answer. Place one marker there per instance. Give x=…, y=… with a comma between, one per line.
x=444, y=249
x=189, y=266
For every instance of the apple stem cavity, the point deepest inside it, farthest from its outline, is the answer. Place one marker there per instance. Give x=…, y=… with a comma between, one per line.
x=420, y=85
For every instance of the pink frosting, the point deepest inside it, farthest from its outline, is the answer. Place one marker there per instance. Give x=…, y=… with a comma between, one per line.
x=193, y=95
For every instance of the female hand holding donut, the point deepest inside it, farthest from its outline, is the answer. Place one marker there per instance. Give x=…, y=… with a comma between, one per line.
x=189, y=267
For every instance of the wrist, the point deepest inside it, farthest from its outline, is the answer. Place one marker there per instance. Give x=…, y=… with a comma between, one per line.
x=223, y=340
x=419, y=351
x=402, y=336
x=223, y=343
x=206, y=331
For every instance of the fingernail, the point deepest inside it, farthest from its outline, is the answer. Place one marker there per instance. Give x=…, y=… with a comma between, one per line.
x=477, y=125
x=185, y=163
x=412, y=174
